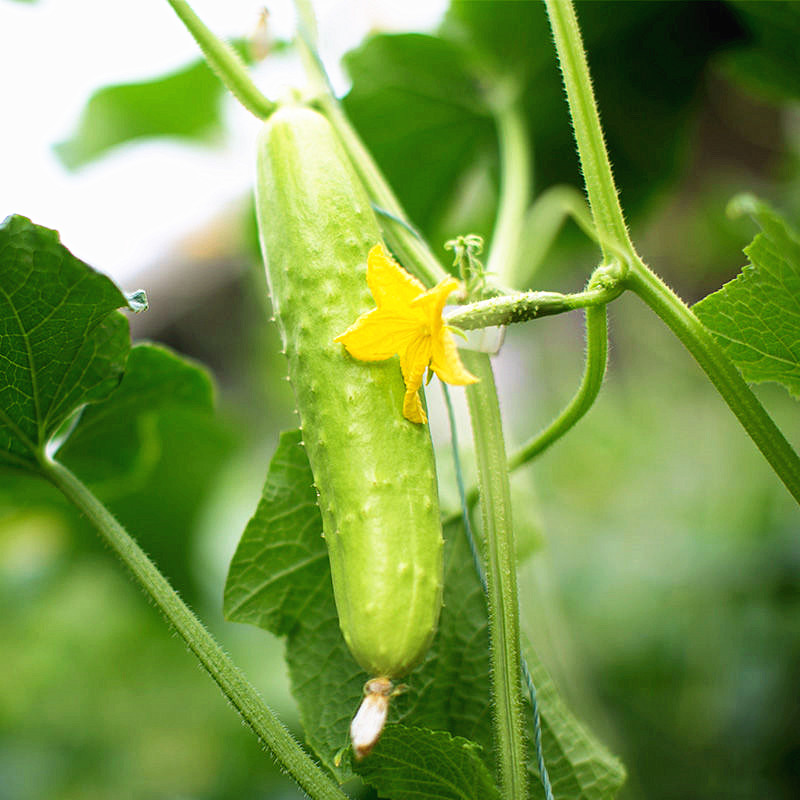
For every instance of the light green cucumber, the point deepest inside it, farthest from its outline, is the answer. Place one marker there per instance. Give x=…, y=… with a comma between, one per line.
x=374, y=470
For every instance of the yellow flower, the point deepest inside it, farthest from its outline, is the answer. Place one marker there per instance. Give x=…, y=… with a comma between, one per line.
x=407, y=321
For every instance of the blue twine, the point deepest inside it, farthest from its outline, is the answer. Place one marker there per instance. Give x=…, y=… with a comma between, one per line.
x=399, y=220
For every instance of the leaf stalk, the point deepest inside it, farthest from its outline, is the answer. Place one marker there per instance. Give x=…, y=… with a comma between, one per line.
x=245, y=699
x=501, y=576
x=708, y=353
x=223, y=59
x=613, y=237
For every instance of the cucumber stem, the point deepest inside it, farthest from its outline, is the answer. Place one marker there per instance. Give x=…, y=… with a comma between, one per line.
x=223, y=59
x=408, y=247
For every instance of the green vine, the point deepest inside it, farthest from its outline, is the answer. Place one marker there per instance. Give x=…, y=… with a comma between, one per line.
x=245, y=699
x=596, y=167
x=593, y=374
x=613, y=236
x=501, y=576
x=222, y=58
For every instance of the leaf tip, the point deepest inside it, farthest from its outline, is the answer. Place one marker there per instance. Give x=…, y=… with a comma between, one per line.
x=743, y=204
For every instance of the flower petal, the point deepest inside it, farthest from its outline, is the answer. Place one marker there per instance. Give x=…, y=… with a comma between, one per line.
x=391, y=286
x=377, y=335
x=412, y=408
x=413, y=363
x=445, y=361
x=433, y=302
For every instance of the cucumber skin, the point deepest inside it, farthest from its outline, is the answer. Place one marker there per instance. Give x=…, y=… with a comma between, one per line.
x=374, y=470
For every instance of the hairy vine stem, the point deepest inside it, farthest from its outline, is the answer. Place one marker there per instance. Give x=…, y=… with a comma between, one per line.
x=501, y=575
x=223, y=59
x=613, y=237
x=490, y=453
x=582, y=401
x=410, y=249
x=245, y=699
x=699, y=341
x=524, y=306
x=600, y=187
x=481, y=573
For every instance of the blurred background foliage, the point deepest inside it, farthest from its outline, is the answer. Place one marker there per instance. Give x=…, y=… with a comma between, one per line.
x=660, y=578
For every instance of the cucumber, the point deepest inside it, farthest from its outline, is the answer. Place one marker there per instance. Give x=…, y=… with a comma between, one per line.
x=373, y=470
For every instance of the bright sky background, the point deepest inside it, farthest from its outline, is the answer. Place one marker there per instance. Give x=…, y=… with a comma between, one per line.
x=121, y=212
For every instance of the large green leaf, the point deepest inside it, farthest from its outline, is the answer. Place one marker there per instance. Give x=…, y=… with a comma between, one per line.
x=183, y=104
x=418, y=764
x=756, y=316
x=150, y=449
x=280, y=579
x=280, y=565
x=578, y=765
x=62, y=344
x=415, y=101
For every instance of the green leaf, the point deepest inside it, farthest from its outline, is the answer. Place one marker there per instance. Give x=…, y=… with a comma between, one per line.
x=117, y=441
x=280, y=579
x=579, y=766
x=418, y=764
x=756, y=316
x=116, y=444
x=426, y=100
x=414, y=101
x=280, y=565
x=61, y=342
x=183, y=104
x=150, y=449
